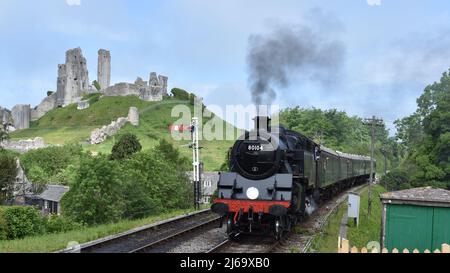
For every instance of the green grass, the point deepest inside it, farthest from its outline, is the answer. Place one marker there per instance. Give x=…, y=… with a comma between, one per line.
x=369, y=227
x=69, y=125
x=327, y=242
x=54, y=242
x=368, y=230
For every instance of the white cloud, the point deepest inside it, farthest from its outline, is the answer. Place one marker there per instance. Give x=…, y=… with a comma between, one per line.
x=374, y=2
x=73, y=2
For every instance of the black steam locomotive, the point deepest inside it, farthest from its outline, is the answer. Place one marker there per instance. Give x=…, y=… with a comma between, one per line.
x=277, y=175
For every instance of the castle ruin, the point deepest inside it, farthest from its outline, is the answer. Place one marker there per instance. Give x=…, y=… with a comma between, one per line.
x=73, y=78
x=73, y=84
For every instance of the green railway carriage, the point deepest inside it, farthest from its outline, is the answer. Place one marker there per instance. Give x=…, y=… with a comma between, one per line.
x=337, y=166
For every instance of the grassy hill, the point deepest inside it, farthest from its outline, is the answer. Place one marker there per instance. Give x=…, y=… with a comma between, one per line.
x=69, y=125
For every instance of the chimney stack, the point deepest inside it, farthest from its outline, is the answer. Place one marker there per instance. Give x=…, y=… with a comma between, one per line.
x=262, y=123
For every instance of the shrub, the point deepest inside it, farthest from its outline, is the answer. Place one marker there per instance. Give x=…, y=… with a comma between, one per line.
x=127, y=145
x=56, y=224
x=3, y=226
x=8, y=173
x=180, y=94
x=96, y=85
x=22, y=222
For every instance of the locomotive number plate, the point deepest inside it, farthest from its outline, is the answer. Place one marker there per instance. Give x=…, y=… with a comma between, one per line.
x=254, y=147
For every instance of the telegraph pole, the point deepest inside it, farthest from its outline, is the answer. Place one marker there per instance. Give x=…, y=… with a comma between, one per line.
x=372, y=122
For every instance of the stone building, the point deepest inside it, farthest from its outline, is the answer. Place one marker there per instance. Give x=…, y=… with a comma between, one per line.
x=21, y=115
x=73, y=78
x=209, y=185
x=104, y=68
x=51, y=198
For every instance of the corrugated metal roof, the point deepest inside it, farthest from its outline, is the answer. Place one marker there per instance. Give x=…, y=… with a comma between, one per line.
x=54, y=193
x=426, y=194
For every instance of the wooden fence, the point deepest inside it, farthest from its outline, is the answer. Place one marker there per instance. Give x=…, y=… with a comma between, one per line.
x=344, y=247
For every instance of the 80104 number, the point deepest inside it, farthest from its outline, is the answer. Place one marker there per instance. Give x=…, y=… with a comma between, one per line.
x=254, y=147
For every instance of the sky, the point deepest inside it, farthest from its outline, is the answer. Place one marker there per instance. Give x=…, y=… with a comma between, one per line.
x=392, y=48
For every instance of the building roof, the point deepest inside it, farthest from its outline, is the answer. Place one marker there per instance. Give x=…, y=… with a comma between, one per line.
x=418, y=196
x=54, y=193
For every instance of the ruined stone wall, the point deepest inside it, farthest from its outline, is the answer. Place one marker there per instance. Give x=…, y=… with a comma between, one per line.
x=133, y=116
x=153, y=90
x=101, y=134
x=73, y=78
x=104, y=68
x=47, y=104
x=23, y=146
x=21, y=115
x=122, y=89
x=84, y=104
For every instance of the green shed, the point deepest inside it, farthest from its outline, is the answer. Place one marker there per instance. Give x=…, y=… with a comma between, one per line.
x=415, y=218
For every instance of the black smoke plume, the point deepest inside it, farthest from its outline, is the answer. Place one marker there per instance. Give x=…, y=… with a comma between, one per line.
x=309, y=53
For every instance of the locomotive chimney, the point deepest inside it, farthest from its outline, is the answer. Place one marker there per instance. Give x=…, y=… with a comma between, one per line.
x=262, y=123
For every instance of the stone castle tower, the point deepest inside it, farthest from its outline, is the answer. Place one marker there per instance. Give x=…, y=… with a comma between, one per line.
x=104, y=68
x=21, y=114
x=73, y=78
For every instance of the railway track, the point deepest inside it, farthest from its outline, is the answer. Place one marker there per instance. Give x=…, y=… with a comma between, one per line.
x=164, y=244
x=246, y=244
x=147, y=238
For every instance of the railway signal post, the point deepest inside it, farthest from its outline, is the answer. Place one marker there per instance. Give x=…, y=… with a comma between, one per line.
x=372, y=122
x=196, y=162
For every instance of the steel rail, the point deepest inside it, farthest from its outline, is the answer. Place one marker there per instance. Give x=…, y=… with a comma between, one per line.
x=124, y=237
x=170, y=238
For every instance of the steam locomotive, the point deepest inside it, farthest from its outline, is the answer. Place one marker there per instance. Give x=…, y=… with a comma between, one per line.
x=277, y=176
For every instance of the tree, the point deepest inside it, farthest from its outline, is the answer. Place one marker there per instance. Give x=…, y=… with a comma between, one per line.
x=51, y=164
x=180, y=94
x=95, y=194
x=154, y=184
x=3, y=135
x=426, y=136
x=8, y=173
x=127, y=145
x=171, y=154
x=335, y=129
